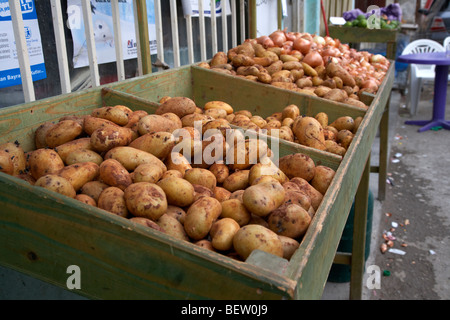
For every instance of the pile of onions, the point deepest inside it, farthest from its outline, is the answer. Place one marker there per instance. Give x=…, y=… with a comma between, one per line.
x=313, y=58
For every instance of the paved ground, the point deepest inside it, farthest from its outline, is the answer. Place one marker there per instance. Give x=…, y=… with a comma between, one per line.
x=418, y=202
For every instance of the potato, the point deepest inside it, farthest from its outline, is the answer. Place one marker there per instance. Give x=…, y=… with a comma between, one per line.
x=216, y=113
x=333, y=147
x=176, y=212
x=16, y=155
x=112, y=200
x=202, y=191
x=113, y=173
x=242, y=60
x=262, y=198
x=246, y=153
x=218, y=105
x=321, y=89
x=83, y=155
x=222, y=233
x=205, y=243
x=291, y=111
x=335, y=70
x=309, y=132
x=343, y=123
x=147, y=172
x=218, y=59
x=297, y=165
x=220, y=171
x=344, y=138
x=147, y=223
x=237, y=180
x=172, y=173
x=176, y=161
x=57, y=184
x=356, y=102
x=104, y=139
x=289, y=220
x=43, y=162
x=172, y=227
x=322, y=117
x=266, y=168
x=86, y=199
x=258, y=120
x=79, y=174
x=235, y=209
x=336, y=94
x=131, y=157
x=202, y=177
x=200, y=216
x=118, y=114
x=156, y=123
x=68, y=148
x=221, y=193
x=62, y=132
x=190, y=119
x=322, y=178
x=289, y=246
x=145, y=199
x=158, y=143
x=93, y=123
x=179, y=192
x=40, y=134
x=315, y=196
x=252, y=237
x=358, y=121
x=93, y=189
x=180, y=106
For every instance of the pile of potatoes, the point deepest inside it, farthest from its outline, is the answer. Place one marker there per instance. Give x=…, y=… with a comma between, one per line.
x=123, y=162
x=341, y=77
x=315, y=132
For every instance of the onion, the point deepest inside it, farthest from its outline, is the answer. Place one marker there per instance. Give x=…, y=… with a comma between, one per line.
x=370, y=84
x=313, y=58
x=265, y=41
x=290, y=36
x=287, y=47
x=278, y=37
x=319, y=40
x=302, y=45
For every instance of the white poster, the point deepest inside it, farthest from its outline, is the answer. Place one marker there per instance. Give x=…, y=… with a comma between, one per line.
x=267, y=16
x=9, y=63
x=104, y=31
x=190, y=7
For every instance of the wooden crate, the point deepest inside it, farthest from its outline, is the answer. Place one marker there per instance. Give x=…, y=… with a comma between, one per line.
x=43, y=233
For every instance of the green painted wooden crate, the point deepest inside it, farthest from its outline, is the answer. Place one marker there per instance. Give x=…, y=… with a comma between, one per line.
x=42, y=233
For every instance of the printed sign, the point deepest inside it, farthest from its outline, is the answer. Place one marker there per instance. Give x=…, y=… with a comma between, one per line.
x=9, y=63
x=104, y=31
x=190, y=7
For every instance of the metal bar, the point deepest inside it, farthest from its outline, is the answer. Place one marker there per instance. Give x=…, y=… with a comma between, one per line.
x=279, y=15
x=233, y=24
x=90, y=42
x=224, y=26
x=175, y=41
x=61, y=50
x=118, y=40
x=22, y=50
x=141, y=25
x=190, y=43
x=213, y=27
x=159, y=32
x=252, y=18
x=243, y=21
x=201, y=21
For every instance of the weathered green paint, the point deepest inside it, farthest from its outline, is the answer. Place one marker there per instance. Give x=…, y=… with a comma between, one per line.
x=43, y=232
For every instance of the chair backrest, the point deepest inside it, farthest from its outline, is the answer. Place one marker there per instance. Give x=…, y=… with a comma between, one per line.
x=446, y=42
x=421, y=46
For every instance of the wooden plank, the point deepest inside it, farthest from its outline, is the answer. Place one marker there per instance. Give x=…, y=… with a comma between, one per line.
x=351, y=35
x=61, y=51
x=90, y=42
x=111, y=97
x=22, y=51
x=118, y=40
x=42, y=233
x=326, y=228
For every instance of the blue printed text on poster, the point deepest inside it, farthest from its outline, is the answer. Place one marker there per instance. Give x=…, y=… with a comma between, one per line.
x=9, y=63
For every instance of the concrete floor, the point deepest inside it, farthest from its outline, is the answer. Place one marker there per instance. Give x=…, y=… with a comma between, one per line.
x=419, y=195
x=418, y=200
